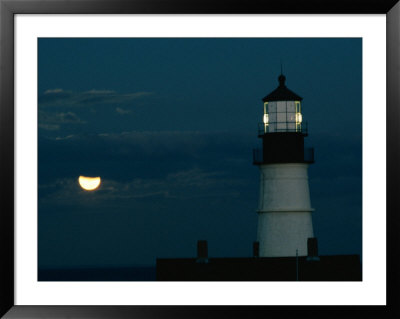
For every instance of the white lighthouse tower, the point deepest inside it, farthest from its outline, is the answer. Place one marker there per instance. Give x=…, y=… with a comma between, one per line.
x=284, y=212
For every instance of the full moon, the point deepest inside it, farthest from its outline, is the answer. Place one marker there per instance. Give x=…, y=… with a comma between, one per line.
x=89, y=183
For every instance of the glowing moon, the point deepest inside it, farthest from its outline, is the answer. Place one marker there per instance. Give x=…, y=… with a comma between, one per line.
x=89, y=183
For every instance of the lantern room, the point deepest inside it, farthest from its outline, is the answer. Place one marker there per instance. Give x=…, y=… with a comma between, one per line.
x=282, y=130
x=282, y=110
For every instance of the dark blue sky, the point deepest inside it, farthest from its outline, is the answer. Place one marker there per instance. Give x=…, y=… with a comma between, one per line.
x=169, y=125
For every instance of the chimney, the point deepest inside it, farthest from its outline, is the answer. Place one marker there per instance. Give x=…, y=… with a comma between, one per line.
x=256, y=249
x=312, y=247
x=202, y=251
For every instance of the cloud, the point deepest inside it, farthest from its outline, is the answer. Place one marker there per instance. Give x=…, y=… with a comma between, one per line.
x=53, y=121
x=122, y=111
x=59, y=138
x=53, y=91
x=49, y=127
x=144, y=144
x=93, y=91
x=182, y=185
x=144, y=165
x=60, y=97
x=142, y=154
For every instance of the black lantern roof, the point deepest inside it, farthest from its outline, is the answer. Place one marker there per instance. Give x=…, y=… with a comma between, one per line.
x=282, y=93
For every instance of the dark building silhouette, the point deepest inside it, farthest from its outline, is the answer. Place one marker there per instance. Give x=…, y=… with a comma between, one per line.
x=328, y=268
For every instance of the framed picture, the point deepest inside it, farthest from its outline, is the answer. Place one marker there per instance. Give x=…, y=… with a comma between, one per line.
x=69, y=103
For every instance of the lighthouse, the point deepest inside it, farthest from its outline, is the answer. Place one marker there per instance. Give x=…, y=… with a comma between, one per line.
x=284, y=210
x=285, y=236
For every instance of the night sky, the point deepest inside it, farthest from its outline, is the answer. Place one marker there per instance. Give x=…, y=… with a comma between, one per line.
x=170, y=125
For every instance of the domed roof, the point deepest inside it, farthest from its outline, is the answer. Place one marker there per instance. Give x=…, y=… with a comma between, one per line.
x=282, y=93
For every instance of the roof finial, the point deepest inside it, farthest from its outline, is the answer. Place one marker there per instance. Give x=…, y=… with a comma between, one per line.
x=281, y=78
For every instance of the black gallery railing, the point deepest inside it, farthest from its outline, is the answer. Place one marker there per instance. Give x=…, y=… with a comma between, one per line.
x=279, y=127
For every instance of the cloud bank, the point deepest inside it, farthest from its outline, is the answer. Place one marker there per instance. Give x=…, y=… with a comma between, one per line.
x=60, y=97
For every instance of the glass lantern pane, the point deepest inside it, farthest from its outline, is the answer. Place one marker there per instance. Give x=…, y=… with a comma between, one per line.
x=281, y=117
x=290, y=106
x=281, y=127
x=292, y=127
x=281, y=107
x=291, y=117
x=272, y=118
x=271, y=107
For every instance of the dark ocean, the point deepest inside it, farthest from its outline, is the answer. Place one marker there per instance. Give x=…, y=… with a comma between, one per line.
x=98, y=274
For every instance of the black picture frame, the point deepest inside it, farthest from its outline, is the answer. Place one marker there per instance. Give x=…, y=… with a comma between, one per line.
x=9, y=8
